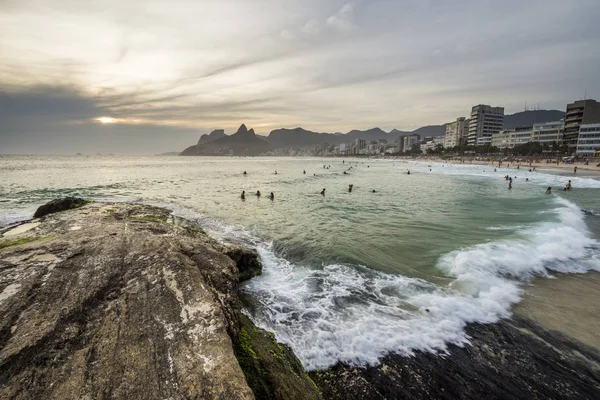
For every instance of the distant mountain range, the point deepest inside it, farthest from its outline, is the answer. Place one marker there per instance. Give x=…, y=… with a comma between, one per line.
x=242, y=143
x=246, y=142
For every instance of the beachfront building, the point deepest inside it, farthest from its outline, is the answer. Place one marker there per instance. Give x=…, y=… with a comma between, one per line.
x=588, y=143
x=581, y=112
x=485, y=121
x=456, y=133
x=545, y=133
x=548, y=132
x=410, y=141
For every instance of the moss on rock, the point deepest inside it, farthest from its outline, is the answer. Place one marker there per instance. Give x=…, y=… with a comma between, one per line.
x=272, y=369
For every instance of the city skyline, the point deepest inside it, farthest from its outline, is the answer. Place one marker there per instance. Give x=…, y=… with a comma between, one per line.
x=133, y=78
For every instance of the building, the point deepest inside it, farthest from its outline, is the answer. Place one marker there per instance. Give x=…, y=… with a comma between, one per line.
x=410, y=141
x=360, y=146
x=456, y=133
x=588, y=143
x=579, y=113
x=485, y=121
x=548, y=132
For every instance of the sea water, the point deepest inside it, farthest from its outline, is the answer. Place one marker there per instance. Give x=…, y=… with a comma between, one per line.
x=401, y=263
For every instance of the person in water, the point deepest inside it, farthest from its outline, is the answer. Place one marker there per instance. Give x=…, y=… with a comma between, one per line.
x=569, y=185
x=275, y=172
x=245, y=173
x=272, y=196
x=350, y=188
x=304, y=172
x=243, y=196
x=373, y=191
x=549, y=190
x=258, y=193
x=575, y=170
x=408, y=172
x=323, y=192
x=510, y=184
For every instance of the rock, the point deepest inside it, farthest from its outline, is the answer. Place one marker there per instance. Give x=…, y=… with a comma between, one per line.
x=272, y=370
x=58, y=205
x=247, y=261
x=127, y=306
x=512, y=359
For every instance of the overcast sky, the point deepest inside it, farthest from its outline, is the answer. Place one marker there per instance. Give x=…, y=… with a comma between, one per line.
x=151, y=76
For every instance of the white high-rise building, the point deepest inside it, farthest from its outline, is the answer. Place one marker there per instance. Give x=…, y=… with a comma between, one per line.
x=456, y=133
x=485, y=121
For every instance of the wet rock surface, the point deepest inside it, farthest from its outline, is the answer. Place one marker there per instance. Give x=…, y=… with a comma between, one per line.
x=58, y=205
x=118, y=301
x=513, y=359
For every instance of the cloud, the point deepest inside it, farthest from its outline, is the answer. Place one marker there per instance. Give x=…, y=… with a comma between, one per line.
x=188, y=67
x=343, y=19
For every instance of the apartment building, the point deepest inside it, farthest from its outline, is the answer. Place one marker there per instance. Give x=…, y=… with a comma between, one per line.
x=581, y=112
x=485, y=121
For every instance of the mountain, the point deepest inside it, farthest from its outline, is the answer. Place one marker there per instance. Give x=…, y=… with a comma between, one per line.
x=214, y=135
x=430, y=130
x=299, y=138
x=242, y=143
x=370, y=134
x=526, y=118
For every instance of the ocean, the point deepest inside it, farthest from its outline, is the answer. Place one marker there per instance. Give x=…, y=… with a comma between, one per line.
x=400, y=264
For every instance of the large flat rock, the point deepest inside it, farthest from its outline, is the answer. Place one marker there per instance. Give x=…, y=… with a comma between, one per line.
x=117, y=301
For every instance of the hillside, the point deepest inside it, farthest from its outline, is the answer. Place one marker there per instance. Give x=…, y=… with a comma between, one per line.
x=526, y=118
x=242, y=143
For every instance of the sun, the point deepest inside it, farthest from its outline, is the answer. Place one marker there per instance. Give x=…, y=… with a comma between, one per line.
x=106, y=120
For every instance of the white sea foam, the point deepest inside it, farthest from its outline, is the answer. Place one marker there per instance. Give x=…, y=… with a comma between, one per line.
x=539, y=177
x=355, y=315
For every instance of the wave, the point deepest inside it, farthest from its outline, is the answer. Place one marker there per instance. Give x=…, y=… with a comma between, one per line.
x=351, y=314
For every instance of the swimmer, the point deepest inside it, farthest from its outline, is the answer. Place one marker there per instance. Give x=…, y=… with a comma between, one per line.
x=373, y=191
x=569, y=185
x=272, y=196
x=245, y=173
x=350, y=188
x=408, y=172
x=275, y=172
x=526, y=179
x=258, y=193
x=243, y=196
x=549, y=190
x=323, y=192
x=304, y=172
x=510, y=184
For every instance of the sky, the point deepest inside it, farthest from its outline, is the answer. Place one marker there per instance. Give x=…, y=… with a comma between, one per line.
x=145, y=77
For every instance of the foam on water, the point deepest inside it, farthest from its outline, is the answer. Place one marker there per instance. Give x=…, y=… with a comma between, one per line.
x=539, y=177
x=355, y=315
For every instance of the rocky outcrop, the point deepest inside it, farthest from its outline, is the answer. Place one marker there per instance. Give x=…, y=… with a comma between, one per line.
x=242, y=143
x=126, y=301
x=214, y=135
x=513, y=359
x=58, y=205
x=247, y=262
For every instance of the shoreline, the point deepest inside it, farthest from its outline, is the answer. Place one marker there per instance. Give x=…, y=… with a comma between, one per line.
x=128, y=252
